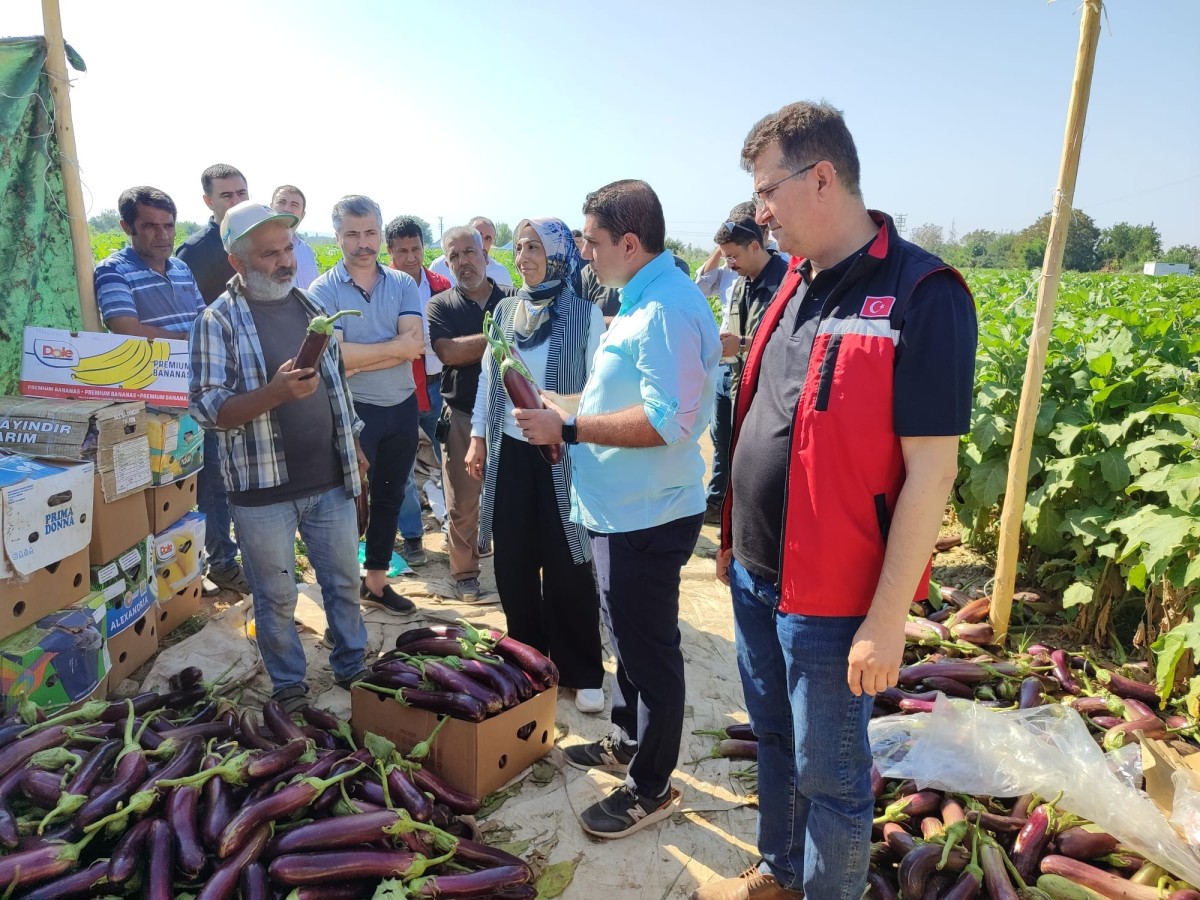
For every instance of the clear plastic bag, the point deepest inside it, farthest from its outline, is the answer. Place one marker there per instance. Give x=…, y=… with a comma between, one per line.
x=964, y=747
x=1185, y=809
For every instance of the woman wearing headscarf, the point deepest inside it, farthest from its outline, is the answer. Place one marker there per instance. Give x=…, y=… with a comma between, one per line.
x=542, y=559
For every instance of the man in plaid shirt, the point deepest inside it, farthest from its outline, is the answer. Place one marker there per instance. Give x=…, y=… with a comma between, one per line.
x=289, y=455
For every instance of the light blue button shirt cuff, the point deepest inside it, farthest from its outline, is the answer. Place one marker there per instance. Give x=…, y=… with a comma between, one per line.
x=661, y=414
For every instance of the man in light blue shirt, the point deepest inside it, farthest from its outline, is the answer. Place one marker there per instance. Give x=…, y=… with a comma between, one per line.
x=638, y=487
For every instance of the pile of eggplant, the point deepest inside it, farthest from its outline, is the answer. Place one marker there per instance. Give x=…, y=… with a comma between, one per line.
x=461, y=671
x=183, y=795
x=930, y=844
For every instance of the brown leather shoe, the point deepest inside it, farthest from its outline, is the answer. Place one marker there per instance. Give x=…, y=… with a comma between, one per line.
x=750, y=885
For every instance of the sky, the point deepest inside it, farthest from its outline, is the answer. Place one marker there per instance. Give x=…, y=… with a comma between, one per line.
x=448, y=110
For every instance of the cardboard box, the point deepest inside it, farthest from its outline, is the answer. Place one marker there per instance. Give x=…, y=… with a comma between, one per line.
x=45, y=512
x=127, y=585
x=176, y=445
x=96, y=365
x=476, y=757
x=168, y=503
x=116, y=526
x=132, y=647
x=60, y=659
x=112, y=435
x=25, y=599
x=176, y=610
x=178, y=555
x=1160, y=762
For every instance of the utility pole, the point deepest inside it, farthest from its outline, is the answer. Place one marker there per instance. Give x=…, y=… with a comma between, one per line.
x=441, y=229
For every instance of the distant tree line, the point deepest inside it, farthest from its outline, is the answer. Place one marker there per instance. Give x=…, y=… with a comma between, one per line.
x=1121, y=247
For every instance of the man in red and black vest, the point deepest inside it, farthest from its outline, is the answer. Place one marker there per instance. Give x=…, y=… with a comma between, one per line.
x=856, y=390
x=406, y=247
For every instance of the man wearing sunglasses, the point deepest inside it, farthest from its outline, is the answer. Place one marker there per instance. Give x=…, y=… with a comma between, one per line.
x=857, y=386
x=757, y=273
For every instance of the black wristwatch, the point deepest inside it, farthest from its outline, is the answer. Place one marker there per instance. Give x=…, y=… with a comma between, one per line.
x=568, y=432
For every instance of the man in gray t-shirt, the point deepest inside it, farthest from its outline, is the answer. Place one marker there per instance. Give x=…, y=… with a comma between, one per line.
x=378, y=346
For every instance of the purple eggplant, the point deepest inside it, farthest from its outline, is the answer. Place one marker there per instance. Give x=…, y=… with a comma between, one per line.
x=336, y=833
x=1127, y=688
x=182, y=804
x=294, y=869
x=252, y=734
x=1117, y=736
x=405, y=793
x=254, y=884
x=131, y=771
x=42, y=788
x=529, y=659
x=267, y=763
x=459, y=802
x=18, y=752
x=83, y=883
x=966, y=886
x=951, y=687
x=978, y=633
x=476, y=854
x=1032, y=840
x=916, y=867
x=1030, y=693
x=921, y=803
x=160, y=846
x=285, y=802
x=345, y=890
x=143, y=703
x=995, y=872
x=42, y=863
x=127, y=855
x=1062, y=671
x=737, y=749
x=1104, y=883
x=879, y=887
x=456, y=681
x=186, y=761
x=918, y=630
x=320, y=718
x=219, y=807
x=484, y=883
x=1079, y=843
x=966, y=671
x=740, y=732
x=455, y=704
x=492, y=677
x=280, y=723
x=222, y=884
x=994, y=822
x=451, y=632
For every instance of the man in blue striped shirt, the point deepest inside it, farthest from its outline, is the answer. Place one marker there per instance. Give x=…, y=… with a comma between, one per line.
x=143, y=290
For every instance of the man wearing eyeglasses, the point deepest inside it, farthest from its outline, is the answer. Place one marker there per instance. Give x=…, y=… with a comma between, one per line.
x=856, y=389
x=756, y=275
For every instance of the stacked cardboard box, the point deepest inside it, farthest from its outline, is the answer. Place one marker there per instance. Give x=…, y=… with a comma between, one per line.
x=82, y=509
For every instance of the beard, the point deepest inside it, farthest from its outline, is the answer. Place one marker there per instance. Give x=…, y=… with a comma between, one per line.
x=269, y=287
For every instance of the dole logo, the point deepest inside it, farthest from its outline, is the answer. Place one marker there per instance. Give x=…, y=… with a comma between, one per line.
x=58, y=354
x=165, y=550
x=877, y=307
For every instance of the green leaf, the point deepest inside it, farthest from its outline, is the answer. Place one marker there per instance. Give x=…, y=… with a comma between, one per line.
x=390, y=889
x=1078, y=594
x=1137, y=577
x=379, y=747
x=556, y=878
x=1114, y=469
x=1064, y=436
x=1102, y=364
x=1169, y=650
x=1191, y=575
x=496, y=799
x=1158, y=534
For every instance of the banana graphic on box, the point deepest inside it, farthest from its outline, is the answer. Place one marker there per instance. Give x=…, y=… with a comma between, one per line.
x=130, y=364
x=177, y=555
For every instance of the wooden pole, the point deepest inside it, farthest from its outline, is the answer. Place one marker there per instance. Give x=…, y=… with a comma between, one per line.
x=1035, y=365
x=81, y=242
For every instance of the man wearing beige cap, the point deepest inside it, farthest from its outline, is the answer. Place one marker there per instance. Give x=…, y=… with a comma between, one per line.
x=290, y=458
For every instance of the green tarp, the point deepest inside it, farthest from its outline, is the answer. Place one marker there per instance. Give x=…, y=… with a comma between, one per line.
x=37, y=271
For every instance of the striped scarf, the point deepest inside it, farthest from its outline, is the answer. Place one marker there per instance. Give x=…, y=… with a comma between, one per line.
x=566, y=371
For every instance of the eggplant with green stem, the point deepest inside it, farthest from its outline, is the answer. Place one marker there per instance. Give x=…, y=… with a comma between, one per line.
x=316, y=339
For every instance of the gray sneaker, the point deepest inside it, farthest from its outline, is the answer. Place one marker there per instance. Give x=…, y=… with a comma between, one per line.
x=414, y=552
x=230, y=579
x=467, y=590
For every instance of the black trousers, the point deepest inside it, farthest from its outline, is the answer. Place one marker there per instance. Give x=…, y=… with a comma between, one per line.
x=389, y=442
x=549, y=600
x=638, y=576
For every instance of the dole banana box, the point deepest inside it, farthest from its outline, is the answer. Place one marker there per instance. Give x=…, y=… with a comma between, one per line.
x=110, y=435
x=127, y=585
x=60, y=659
x=178, y=555
x=45, y=512
x=176, y=445
x=95, y=365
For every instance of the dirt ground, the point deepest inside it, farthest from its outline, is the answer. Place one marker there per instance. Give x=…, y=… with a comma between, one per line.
x=712, y=834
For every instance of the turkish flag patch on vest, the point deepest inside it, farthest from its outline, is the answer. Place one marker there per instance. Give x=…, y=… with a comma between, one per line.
x=877, y=307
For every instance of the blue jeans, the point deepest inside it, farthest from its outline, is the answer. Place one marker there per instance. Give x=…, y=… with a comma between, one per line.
x=814, y=762
x=411, y=525
x=329, y=526
x=721, y=431
x=213, y=501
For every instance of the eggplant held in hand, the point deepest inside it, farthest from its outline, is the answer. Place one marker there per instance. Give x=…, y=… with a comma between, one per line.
x=320, y=330
x=519, y=384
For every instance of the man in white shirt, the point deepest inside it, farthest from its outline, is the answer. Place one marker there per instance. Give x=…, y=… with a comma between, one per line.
x=287, y=198
x=495, y=271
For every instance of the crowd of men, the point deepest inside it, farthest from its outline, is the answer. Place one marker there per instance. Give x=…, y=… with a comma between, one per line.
x=836, y=386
